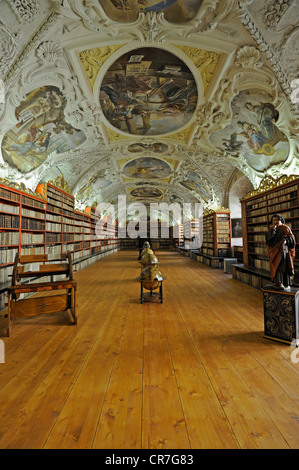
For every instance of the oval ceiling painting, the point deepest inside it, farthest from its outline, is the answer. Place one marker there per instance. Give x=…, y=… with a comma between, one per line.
x=148, y=91
x=175, y=11
x=155, y=147
x=40, y=130
x=147, y=168
x=146, y=192
x=252, y=132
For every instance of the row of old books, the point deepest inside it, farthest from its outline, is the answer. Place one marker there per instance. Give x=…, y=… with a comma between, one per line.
x=32, y=224
x=7, y=255
x=9, y=221
x=9, y=238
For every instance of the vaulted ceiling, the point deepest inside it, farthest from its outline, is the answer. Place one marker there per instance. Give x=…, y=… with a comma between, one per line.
x=158, y=100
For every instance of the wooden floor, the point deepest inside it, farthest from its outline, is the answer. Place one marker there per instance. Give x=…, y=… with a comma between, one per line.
x=194, y=372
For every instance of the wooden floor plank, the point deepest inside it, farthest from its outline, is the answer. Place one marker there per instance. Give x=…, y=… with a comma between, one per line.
x=119, y=425
x=76, y=425
x=163, y=425
x=193, y=372
x=206, y=422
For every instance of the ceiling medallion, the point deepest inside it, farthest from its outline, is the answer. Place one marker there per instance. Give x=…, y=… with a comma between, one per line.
x=148, y=92
x=147, y=168
x=146, y=192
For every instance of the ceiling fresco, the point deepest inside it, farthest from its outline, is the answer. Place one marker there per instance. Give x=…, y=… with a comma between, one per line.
x=176, y=11
x=40, y=130
x=148, y=91
x=156, y=147
x=159, y=100
x=147, y=168
x=146, y=192
x=194, y=183
x=253, y=131
x=95, y=184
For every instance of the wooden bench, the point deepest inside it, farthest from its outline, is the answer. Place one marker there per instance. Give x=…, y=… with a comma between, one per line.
x=31, y=268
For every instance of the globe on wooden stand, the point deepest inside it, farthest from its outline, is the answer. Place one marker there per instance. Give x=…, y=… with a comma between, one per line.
x=149, y=259
x=146, y=249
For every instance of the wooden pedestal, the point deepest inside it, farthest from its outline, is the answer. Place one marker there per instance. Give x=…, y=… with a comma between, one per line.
x=151, y=295
x=281, y=314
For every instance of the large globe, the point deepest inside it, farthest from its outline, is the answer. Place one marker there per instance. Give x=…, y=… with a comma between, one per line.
x=149, y=259
x=150, y=277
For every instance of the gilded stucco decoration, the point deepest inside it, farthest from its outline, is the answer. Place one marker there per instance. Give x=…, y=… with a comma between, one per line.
x=205, y=61
x=93, y=59
x=268, y=182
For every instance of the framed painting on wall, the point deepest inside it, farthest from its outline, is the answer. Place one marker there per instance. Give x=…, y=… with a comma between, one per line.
x=236, y=228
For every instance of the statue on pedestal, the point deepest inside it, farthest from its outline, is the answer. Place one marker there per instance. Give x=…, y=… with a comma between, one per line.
x=281, y=249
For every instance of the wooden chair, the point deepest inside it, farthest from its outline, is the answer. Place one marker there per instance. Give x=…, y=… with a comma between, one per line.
x=31, y=268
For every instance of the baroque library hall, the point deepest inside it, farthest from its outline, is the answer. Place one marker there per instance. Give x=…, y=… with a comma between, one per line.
x=149, y=237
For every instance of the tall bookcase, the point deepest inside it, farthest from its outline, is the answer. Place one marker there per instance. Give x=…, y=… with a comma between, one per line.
x=273, y=196
x=216, y=234
x=191, y=228
x=22, y=229
x=46, y=222
x=177, y=236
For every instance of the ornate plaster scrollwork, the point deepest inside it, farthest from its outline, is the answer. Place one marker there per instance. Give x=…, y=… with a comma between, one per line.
x=295, y=93
x=25, y=10
x=14, y=71
x=149, y=26
x=215, y=114
x=287, y=52
x=248, y=56
x=8, y=49
x=49, y=53
x=89, y=12
x=274, y=11
x=211, y=13
x=256, y=34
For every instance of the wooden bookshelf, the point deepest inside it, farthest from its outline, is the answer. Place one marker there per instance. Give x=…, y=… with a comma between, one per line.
x=177, y=236
x=46, y=222
x=191, y=229
x=237, y=252
x=22, y=227
x=216, y=234
x=257, y=210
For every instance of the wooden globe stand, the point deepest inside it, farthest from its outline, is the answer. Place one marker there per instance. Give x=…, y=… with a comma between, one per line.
x=151, y=286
